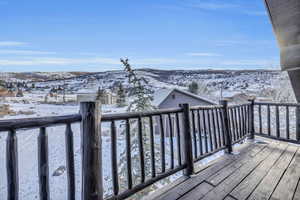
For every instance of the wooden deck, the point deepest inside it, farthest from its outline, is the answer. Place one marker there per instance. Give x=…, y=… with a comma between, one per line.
x=262, y=170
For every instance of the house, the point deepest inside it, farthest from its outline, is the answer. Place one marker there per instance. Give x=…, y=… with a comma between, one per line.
x=107, y=97
x=171, y=98
x=237, y=98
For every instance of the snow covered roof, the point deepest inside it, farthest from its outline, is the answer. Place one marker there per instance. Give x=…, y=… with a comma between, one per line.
x=160, y=95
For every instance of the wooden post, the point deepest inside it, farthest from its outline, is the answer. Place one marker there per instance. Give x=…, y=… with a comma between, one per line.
x=298, y=123
x=226, y=131
x=187, y=148
x=92, y=186
x=251, y=119
x=12, y=166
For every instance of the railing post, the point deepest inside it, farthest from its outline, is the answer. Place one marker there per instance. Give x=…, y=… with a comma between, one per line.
x=251, y=119
x=298, y=123
x=226, y=131
x=92, y=186
x=187, y=149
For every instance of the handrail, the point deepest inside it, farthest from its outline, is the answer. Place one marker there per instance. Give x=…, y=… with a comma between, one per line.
x=26, y=123
x=129, y=115
x=277, y=104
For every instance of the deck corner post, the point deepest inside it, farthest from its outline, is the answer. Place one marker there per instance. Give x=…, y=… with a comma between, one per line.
x=92, y=186
x=226, y=131
x=187, y=149
x=251, y=118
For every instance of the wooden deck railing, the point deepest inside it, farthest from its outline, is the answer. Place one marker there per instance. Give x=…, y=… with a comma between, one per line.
x=278, y=121
x=189, y=133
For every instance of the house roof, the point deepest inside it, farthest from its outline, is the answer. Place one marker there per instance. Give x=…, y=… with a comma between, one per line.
x=160, y=95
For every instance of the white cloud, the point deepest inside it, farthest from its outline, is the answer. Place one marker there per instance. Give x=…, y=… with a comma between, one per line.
x=214, y=6
x=102, y=63
x=25, y=52
x=57, y=61
x=219, y=5
x=11, y=43
x=202, y=54
x=255, y=13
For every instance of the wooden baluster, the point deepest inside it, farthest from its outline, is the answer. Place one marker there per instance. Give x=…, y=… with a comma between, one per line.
x=277, y=122
x=178, y=139
x=141, y=149
x=243, y=120
x=205, y=131
x=231, y=122
x=214, y=128
x=12, y=166
x=268, y=120
x=236, y=123
x=70, y=161
x=260, y=119
x=219, y=127
x=153, y=172
x=287, y=121
x=199, y=133
x=114, y=162
x=171, y=141
x=187, y=141
x=240, y=121
x=222, y=126
x=43, y=164
x=194, y=135
x=128, y=154
x=209, y=131
x=162, y=144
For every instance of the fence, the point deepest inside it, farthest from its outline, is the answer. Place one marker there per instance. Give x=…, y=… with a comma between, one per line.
x=193, y=134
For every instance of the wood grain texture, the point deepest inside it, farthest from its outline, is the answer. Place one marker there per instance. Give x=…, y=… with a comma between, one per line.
x=268, y=184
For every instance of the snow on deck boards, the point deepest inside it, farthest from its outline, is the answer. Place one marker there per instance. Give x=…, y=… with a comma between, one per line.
x=260, y=171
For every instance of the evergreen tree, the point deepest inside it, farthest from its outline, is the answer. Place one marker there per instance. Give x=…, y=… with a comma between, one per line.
x=193, y=87
x=142, y=97
x=121, y=98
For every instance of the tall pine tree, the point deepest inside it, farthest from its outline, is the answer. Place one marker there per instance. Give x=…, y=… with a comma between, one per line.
x=142, y=97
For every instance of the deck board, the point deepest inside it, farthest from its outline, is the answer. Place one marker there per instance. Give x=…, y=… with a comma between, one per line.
x=230, y=169
x=260, y=171
x=267, y=185
x=245, y=188
x=288, y=183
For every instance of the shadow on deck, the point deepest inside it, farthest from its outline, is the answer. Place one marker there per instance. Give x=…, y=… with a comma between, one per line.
x=264, y=169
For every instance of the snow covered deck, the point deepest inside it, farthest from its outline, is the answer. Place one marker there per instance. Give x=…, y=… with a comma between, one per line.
x=260, y=169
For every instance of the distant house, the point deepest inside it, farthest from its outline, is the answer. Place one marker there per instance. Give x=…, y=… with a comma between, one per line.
x=171, y=98
x=107, y=97
x=237, y=98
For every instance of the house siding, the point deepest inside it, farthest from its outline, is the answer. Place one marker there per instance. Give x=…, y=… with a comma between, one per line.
x=171, y=102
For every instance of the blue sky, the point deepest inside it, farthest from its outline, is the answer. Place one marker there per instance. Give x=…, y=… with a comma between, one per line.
x=93, y=35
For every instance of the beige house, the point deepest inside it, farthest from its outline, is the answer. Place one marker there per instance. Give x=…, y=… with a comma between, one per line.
x=108, y=98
